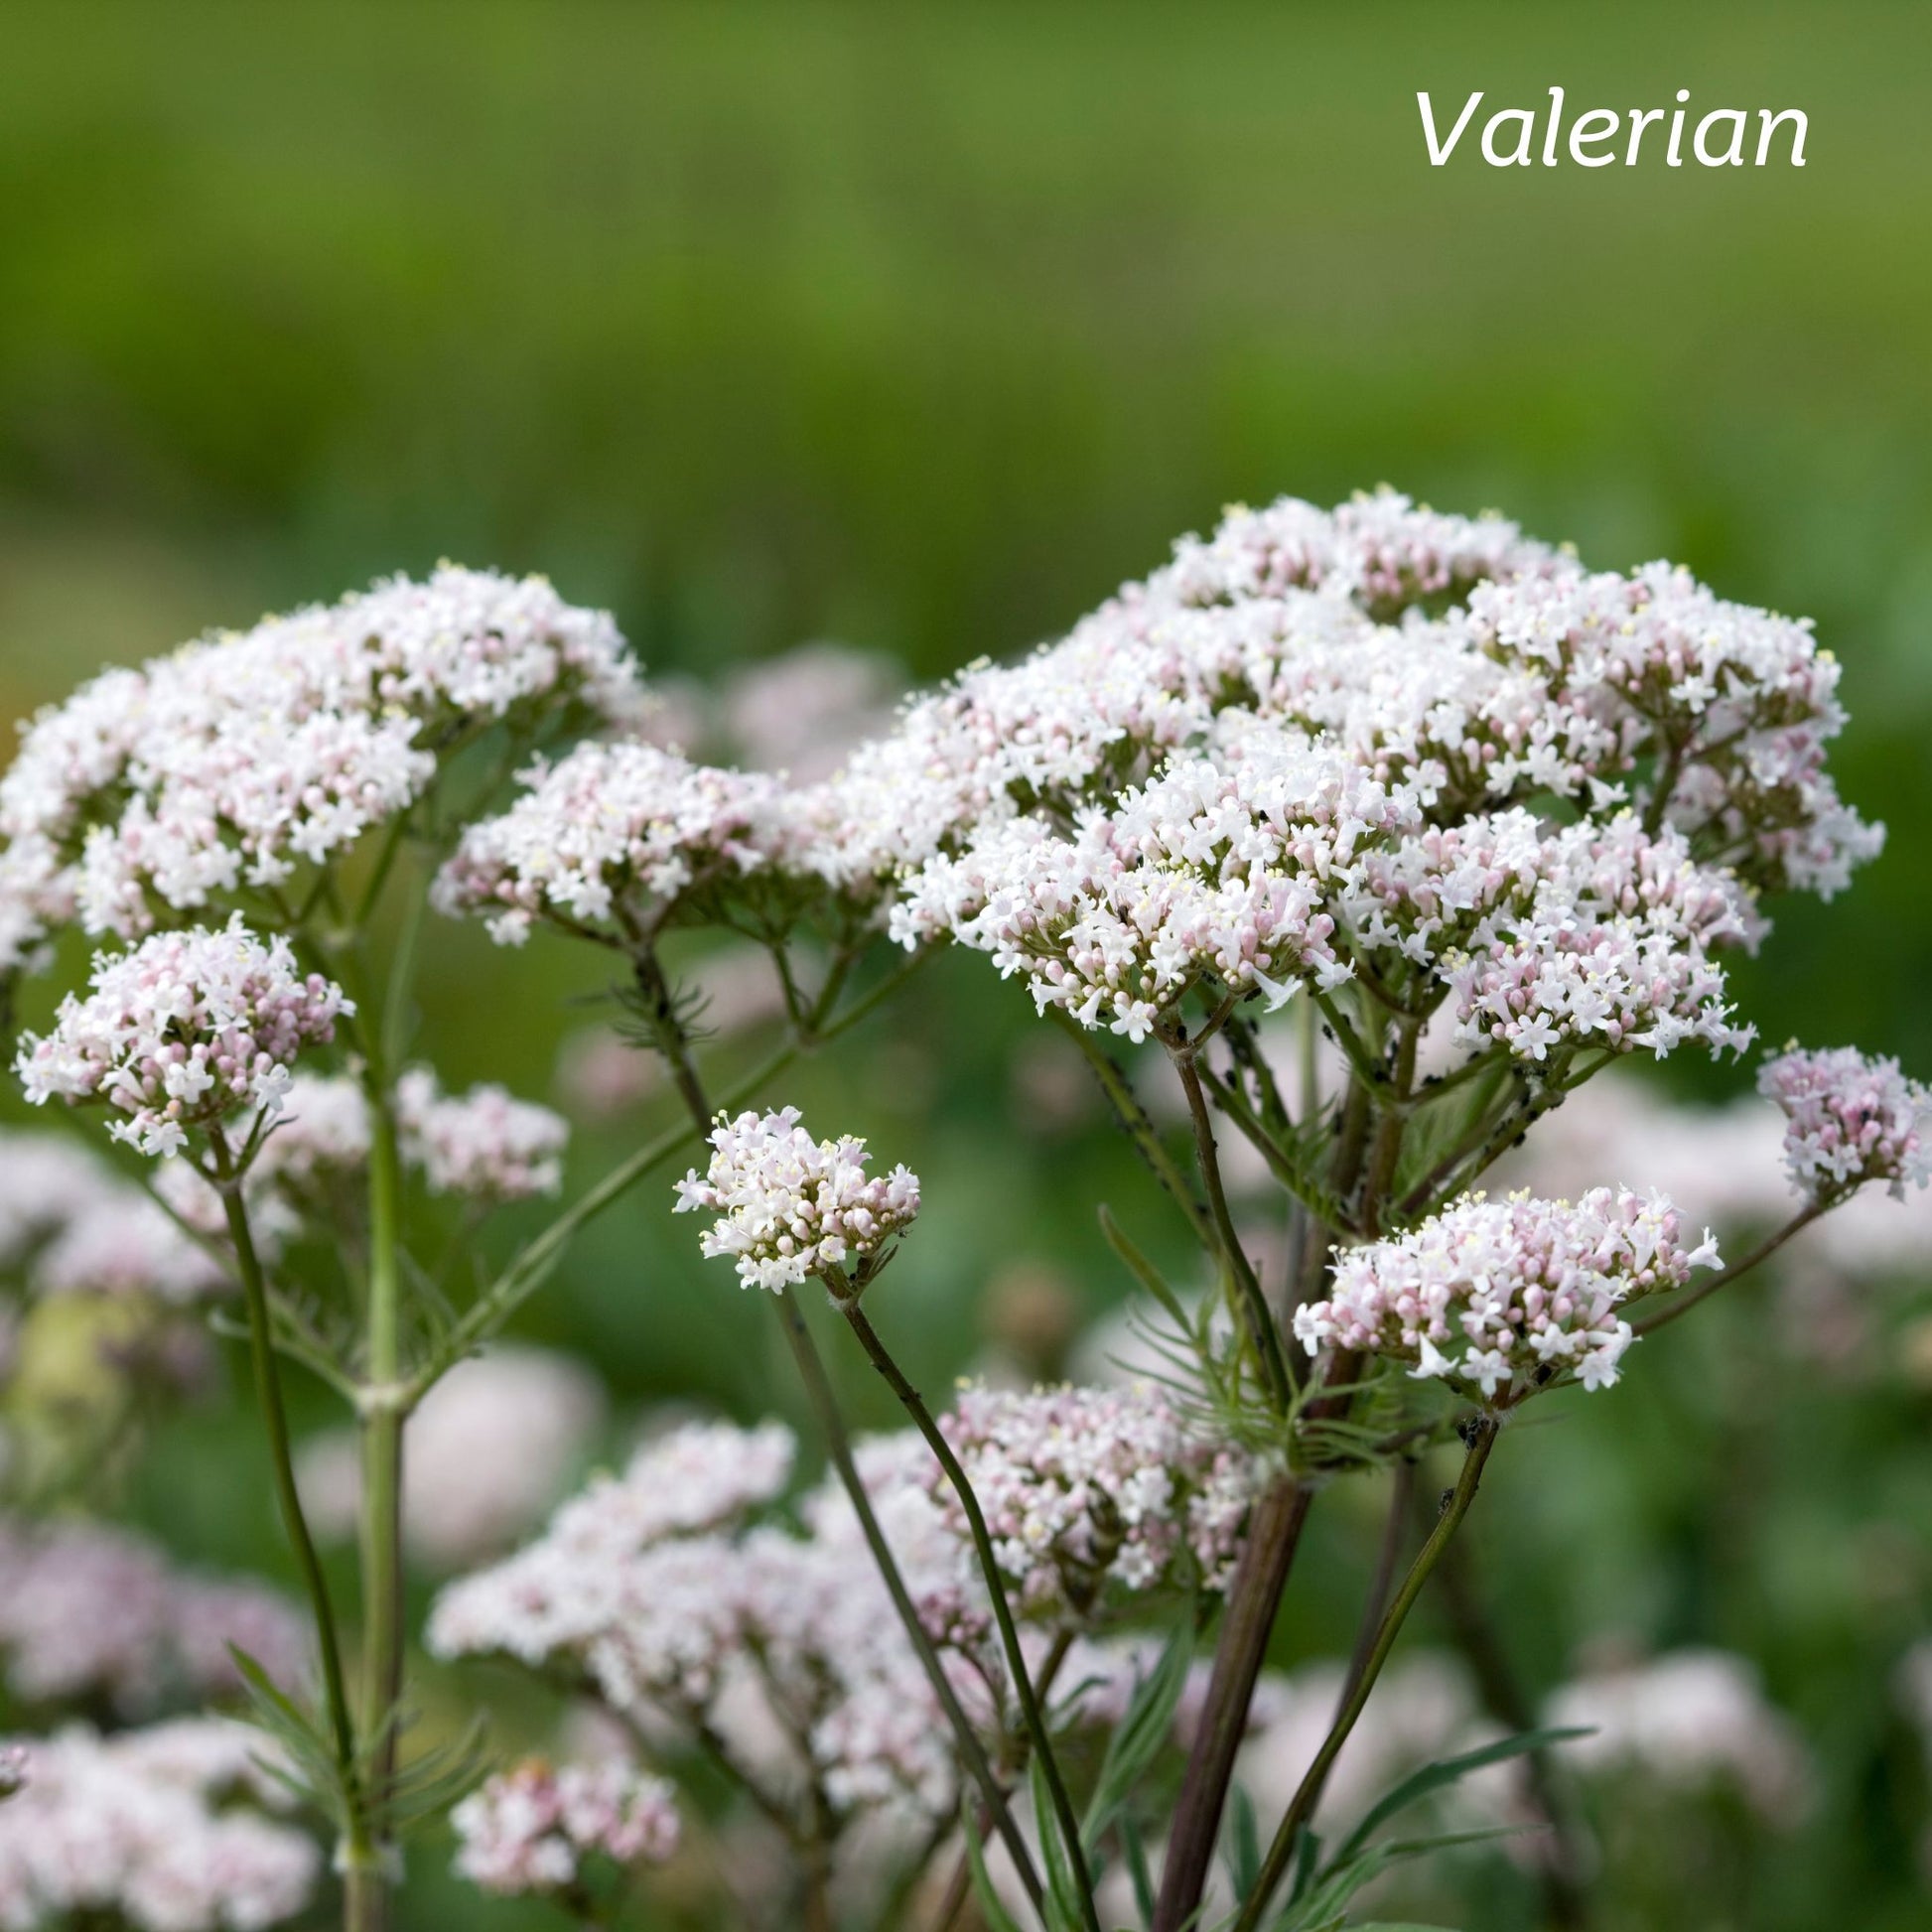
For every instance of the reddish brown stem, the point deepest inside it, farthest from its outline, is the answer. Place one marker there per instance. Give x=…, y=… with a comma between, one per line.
x=1274, y=1532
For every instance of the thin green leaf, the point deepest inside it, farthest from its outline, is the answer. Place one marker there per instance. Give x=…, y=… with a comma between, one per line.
x=1445, y=1771
x=423, y=1789
x=1244, y=1842
x=1140, y=1734
x=1137, y=1871
x=1143, y=1269
x=1064, y=1911
x=1345, y=1877
x=1307, y=1863
x=996, y=1915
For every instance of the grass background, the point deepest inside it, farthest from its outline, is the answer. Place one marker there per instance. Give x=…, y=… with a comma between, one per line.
x=922, y=327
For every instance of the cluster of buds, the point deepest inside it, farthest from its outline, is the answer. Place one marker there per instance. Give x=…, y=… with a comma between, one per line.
x=1848, y=1119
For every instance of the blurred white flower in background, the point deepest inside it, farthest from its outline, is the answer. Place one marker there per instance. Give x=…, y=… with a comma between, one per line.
x=493, y=1447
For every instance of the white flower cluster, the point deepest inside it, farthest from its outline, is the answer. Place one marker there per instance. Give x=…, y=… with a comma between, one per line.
x=529, y=1828
x=1687, y=1722
x=607, y=840
x=97, y=1614
x=1506, y=1295
x=181, y=1031
x=224, y=767
x=1266, y=655
x=1598, y=934
x=1242, y=769
x=788, y=1206
x=1737, y=705
x=553, y=1596
x=1848, y=1119
x=70, y=1226
x=781, y=1647
x=1088, y=1493
x=1209, y=869
x=484, y=1144
x=491, y=1448
x=161, y=1830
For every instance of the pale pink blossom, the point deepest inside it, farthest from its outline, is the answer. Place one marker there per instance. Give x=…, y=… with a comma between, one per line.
x=1507, y=1295
x=790, y=1207
x=183, y=1031
x=167, y=1828
x=1848, y=1119
x=529, y=1828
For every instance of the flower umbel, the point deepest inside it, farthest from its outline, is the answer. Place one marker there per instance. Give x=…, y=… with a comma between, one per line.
x=788, y=1206
x=1508, y=1295
x=182, y=1031
x=1848, y=1119
x=529, y=1828
x=1086, y=1489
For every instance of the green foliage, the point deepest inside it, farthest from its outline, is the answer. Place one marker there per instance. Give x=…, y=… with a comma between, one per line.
x=1138, y=1738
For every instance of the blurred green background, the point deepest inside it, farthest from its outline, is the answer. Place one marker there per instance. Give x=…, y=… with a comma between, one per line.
x=922, y=327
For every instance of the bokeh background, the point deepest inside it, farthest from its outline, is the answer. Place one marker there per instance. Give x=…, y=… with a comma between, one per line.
x=920, y=329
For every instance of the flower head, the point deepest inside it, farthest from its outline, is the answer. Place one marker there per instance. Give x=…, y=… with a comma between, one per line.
x=241, y=758
x=1090, y=1489
x=484, y=1144
x=612, y=836
x=182, y=1032
x=143, y=1827
x=1848, y=1119
x=788, y=1206
x=1503, y=1295
x=96, y=1614
x=529, y=1828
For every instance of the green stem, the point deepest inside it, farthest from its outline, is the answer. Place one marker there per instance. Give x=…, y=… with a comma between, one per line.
x=1482, y=1439
x=1030, y=1712
x=1387, y=1146
x=268, y=1393
x=818, y=1391
x=1139, y=1127
x=1255, y=1591
x=385, y=1408
x=953, y=1899
x=1395, y=1526
x=1351, y=1042
x=1263, y=1329
x=674, y=1047
x=1228, y=1097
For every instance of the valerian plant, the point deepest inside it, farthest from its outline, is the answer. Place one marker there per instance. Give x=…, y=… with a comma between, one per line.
x=1477, y=823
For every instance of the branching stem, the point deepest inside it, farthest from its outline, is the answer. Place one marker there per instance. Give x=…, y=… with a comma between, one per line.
x=818, y=1391
x=268, y=1393
x=1031, y=1715
x=1258, y=1318
x=1482, y=1439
